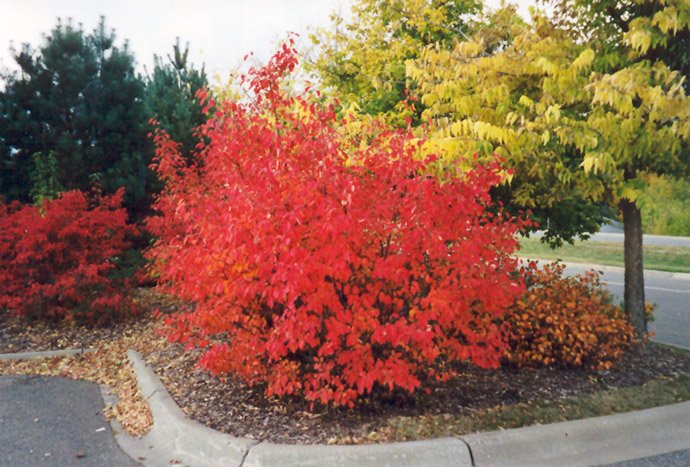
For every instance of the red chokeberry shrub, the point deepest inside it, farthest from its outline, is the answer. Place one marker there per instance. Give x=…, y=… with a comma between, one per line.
x=57, y=258
x=328, y=266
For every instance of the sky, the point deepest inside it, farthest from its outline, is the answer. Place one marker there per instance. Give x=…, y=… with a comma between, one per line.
x=220, y=33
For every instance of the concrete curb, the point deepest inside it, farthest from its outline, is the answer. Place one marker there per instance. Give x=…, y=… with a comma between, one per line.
x=593, y=441
x=683, y=276
x=44, y=354
x=174, y=438
x=434, y=452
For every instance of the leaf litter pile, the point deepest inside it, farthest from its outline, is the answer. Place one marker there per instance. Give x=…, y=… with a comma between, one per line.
x=228, y=405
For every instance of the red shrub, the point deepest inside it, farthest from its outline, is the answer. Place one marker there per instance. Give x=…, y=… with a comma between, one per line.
x=324, y=266
x=567, y=321
x=56, y=257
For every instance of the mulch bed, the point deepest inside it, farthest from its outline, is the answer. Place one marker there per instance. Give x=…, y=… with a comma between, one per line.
x=18, y=335
x=228, y=405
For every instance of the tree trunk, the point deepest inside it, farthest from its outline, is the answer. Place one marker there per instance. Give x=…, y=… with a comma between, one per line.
x=634, y=269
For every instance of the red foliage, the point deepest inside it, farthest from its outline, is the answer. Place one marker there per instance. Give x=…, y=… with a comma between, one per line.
x=56, y=257
x=323, y=266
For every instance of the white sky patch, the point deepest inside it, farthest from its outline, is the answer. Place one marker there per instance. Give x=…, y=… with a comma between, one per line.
x=220, y=33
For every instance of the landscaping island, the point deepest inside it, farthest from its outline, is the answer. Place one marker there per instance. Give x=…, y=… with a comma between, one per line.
x=478, y=400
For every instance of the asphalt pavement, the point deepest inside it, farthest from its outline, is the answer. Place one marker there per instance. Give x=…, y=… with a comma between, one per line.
x=50, y=421
x=671, y=459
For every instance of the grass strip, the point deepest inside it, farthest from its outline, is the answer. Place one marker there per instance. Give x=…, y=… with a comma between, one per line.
x=653, y=394
x=661, y=258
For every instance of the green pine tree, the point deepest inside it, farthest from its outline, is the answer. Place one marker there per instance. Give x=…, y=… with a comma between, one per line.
x=170, y=97
x=79, y=98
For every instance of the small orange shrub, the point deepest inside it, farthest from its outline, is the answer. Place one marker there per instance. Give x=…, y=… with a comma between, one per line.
x=566, y=321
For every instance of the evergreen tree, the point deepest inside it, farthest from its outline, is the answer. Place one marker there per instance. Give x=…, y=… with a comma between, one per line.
x=45, y=184
x=170, y=97
x=79, y=99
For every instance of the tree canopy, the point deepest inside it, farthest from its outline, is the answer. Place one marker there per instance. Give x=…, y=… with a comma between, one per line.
x=364, y=59
x=357, y=62
x=660, y=28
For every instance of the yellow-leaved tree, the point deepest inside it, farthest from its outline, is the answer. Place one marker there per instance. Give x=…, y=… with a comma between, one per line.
x=365, y=63
x=591, y=117
x=512, y=89
x=364, y=58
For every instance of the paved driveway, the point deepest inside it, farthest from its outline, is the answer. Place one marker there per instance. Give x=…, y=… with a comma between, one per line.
x=49, y=421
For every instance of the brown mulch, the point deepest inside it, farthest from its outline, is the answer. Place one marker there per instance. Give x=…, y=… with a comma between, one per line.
x=228, y=405
x=18, y=335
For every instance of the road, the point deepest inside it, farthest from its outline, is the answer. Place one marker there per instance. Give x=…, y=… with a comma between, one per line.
x=657, y=240
x=671, y=459
x=670, y=292
x=609, y=235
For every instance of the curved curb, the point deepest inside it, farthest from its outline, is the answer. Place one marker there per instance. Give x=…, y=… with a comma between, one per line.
x=44, y=354
x=175, y=437
x=593, y=441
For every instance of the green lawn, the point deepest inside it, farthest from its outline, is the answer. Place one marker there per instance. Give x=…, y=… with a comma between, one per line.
x=662, y=258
